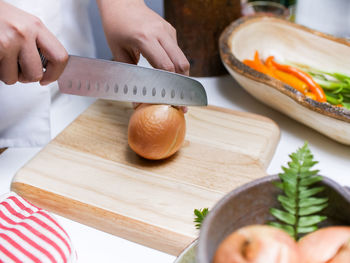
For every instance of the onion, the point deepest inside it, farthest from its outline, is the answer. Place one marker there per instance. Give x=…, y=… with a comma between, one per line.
x=326, y=245
x=343, y=255
x=156, y=131
x=258, y=244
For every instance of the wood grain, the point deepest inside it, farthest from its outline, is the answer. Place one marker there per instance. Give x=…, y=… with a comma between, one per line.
x=89, y=174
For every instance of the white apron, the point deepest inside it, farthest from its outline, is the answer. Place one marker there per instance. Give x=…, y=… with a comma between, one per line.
x=25, y=108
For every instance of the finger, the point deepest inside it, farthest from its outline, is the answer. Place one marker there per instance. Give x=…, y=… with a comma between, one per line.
x=156, y=55
x=9, y=69
x=172, y=33
x=135, y=55
x=55, y=54
x=184, y=109
x=176, y=55
x=122, y=55
x=31, y=69
x=136, y=104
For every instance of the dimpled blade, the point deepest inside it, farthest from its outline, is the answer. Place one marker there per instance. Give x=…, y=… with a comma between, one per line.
x=124, y=82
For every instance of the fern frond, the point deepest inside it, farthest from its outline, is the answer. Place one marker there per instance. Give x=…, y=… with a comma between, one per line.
x=298, y=201
x=200, y=214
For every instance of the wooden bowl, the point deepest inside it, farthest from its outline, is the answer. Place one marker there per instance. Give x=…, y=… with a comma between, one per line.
x=250, y=203
x=291, y=42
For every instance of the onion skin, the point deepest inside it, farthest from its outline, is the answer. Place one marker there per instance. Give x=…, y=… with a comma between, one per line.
x=343, y=256
x=326, y=245
x=258, y=244
x=156, y=131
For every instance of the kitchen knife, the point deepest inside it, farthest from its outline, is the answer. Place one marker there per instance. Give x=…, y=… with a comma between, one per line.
x=125, y=82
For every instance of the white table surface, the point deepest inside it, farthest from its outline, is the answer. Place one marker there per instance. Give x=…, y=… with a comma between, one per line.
x=96, y=246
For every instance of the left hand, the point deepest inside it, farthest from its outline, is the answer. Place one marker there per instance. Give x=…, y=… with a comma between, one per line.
x=132, y=29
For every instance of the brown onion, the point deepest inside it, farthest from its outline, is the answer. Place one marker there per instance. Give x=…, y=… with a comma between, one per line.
x=258, y=244
x=156, y=131
x=326, y=245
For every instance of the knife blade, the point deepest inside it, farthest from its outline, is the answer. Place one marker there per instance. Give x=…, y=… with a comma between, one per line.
x=125, y=82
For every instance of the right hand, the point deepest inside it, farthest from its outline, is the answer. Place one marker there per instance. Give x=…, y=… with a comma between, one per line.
x=21, y=36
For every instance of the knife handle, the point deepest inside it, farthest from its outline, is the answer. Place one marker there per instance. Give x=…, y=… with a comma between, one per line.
x=43, y=59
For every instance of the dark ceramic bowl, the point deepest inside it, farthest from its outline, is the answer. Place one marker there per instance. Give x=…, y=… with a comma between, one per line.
x=250, y=203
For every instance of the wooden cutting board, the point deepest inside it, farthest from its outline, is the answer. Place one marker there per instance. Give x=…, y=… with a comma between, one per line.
x=89, y=174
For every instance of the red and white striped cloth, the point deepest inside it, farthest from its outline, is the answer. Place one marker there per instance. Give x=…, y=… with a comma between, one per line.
x=30, y=234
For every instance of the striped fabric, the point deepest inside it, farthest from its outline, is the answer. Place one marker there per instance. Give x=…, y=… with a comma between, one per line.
x=30, y=234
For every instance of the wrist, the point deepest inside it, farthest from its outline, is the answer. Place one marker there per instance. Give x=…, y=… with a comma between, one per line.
x=115, y=10
x=117, y=3
x=115, y=7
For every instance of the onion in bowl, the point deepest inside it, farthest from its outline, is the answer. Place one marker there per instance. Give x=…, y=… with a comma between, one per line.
x=326, y=245
x=257, y=244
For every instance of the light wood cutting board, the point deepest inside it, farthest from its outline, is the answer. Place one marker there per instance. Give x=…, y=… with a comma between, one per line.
x=89, y=174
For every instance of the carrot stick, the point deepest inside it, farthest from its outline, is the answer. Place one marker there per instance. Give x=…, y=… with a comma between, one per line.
x=291, y=81
x=286, y=78
x=251, y=63
x=314, y=87
x=258, y=65
x=311, y=95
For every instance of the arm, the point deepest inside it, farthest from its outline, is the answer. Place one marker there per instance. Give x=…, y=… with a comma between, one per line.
x=132, y=28
x=21, y=36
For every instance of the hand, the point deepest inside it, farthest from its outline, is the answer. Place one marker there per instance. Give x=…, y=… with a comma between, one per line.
x=21, y=36
x=132, y=28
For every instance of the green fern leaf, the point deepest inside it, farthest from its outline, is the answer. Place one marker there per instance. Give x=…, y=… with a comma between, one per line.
x=309, y=192
x=299, y=202
x=289, y=229
x=305, y=211
x=283, y=216
x=310, y=220
x=289, y=209
x=305, y=202
x=310, y=180
x=278, y=185
x=285, y=200
x=305, y=230
x=290, y=189
x=200, y=214
x=308, y=173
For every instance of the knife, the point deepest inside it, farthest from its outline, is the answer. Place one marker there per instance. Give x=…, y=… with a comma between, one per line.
x=125, y=82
